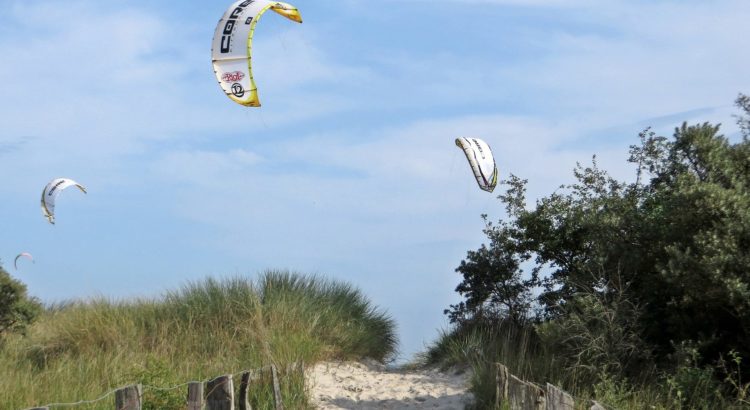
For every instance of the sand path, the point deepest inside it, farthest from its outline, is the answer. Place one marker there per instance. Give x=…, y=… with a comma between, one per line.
x=359, y=386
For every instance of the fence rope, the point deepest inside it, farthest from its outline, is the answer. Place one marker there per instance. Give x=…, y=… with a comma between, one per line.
x=157, y=388
x=148, y=387
x=78, y=403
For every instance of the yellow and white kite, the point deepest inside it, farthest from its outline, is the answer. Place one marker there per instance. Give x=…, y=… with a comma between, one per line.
x=481, y=160
x=232, y=47
x=50, y=193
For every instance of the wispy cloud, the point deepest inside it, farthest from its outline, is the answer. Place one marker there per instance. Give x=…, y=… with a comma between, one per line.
x=406, y=174
x=11, y=144
x=105, y=85
x=524, y=3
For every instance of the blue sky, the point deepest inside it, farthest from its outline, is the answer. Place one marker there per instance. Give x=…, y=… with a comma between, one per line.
x=349, y=169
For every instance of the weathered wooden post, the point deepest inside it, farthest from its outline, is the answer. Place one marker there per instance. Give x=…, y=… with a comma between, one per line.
x=558, y=399
x=524, y=396
x=195, y=396
x=501, y=384
x=129, y=398
x=276, y=388
x=220, y=393
x=244, y=389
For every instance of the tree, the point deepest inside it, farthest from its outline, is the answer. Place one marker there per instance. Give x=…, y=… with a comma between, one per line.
x=743, y=102
x=493, y=278
x=675, y=244
x=17, y=309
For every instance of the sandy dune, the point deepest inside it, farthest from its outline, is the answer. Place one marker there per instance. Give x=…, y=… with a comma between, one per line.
x=360, y=386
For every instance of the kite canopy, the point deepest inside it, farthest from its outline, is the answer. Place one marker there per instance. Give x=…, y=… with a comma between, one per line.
x=481, y=161
x=50, y=193
x=232, y=47
x=25, y=255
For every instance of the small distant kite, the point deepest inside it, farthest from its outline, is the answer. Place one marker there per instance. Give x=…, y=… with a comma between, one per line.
x=481, y=160
x=50, y=193
x=231, y=50
x=25, y=255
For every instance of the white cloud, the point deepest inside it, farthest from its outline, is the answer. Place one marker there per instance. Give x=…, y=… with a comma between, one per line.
x=599, y=63
x=205, y=168
x=523, y=3
x=295, y=58
x=396, y=179
x=107, y=86
x=654, y=59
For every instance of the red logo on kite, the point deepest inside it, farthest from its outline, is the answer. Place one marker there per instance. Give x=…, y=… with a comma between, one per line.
x=232, y=77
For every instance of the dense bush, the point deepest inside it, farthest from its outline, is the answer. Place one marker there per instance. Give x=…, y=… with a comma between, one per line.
x=17, y=309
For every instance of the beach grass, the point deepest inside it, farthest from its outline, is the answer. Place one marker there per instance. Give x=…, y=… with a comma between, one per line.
x=80, y=350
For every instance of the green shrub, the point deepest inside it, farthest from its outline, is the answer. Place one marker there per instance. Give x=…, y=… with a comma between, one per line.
x=157, y=372
x=17, y=309
x=596, y=337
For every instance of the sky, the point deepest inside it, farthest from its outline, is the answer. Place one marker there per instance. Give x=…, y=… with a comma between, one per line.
x=349, y=169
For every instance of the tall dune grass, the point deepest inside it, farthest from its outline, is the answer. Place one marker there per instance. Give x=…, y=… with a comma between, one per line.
x=481, y=345
x=82, y=349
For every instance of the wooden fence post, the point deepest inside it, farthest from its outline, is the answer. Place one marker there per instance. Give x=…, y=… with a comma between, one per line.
x=244, y=389
x=195, y=396
x=524, y=396
x=501, y=384
x=276, y=388
x=129, y=398
x=220, y=393
x=558, y=399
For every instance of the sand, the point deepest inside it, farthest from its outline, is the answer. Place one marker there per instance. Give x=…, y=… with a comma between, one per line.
x=351, y=385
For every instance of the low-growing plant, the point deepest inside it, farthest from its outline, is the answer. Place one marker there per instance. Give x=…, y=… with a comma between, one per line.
x=732, y=369
x=157, y=372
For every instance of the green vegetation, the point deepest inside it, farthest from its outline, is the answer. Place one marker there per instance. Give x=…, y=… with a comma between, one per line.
x=17, y=309
x=80, y=350
x=633, y=293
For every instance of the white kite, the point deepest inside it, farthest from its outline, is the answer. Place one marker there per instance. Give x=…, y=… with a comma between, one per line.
x=231, y=50
x=50, y=193
x=25, y=255
x=481, y=160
